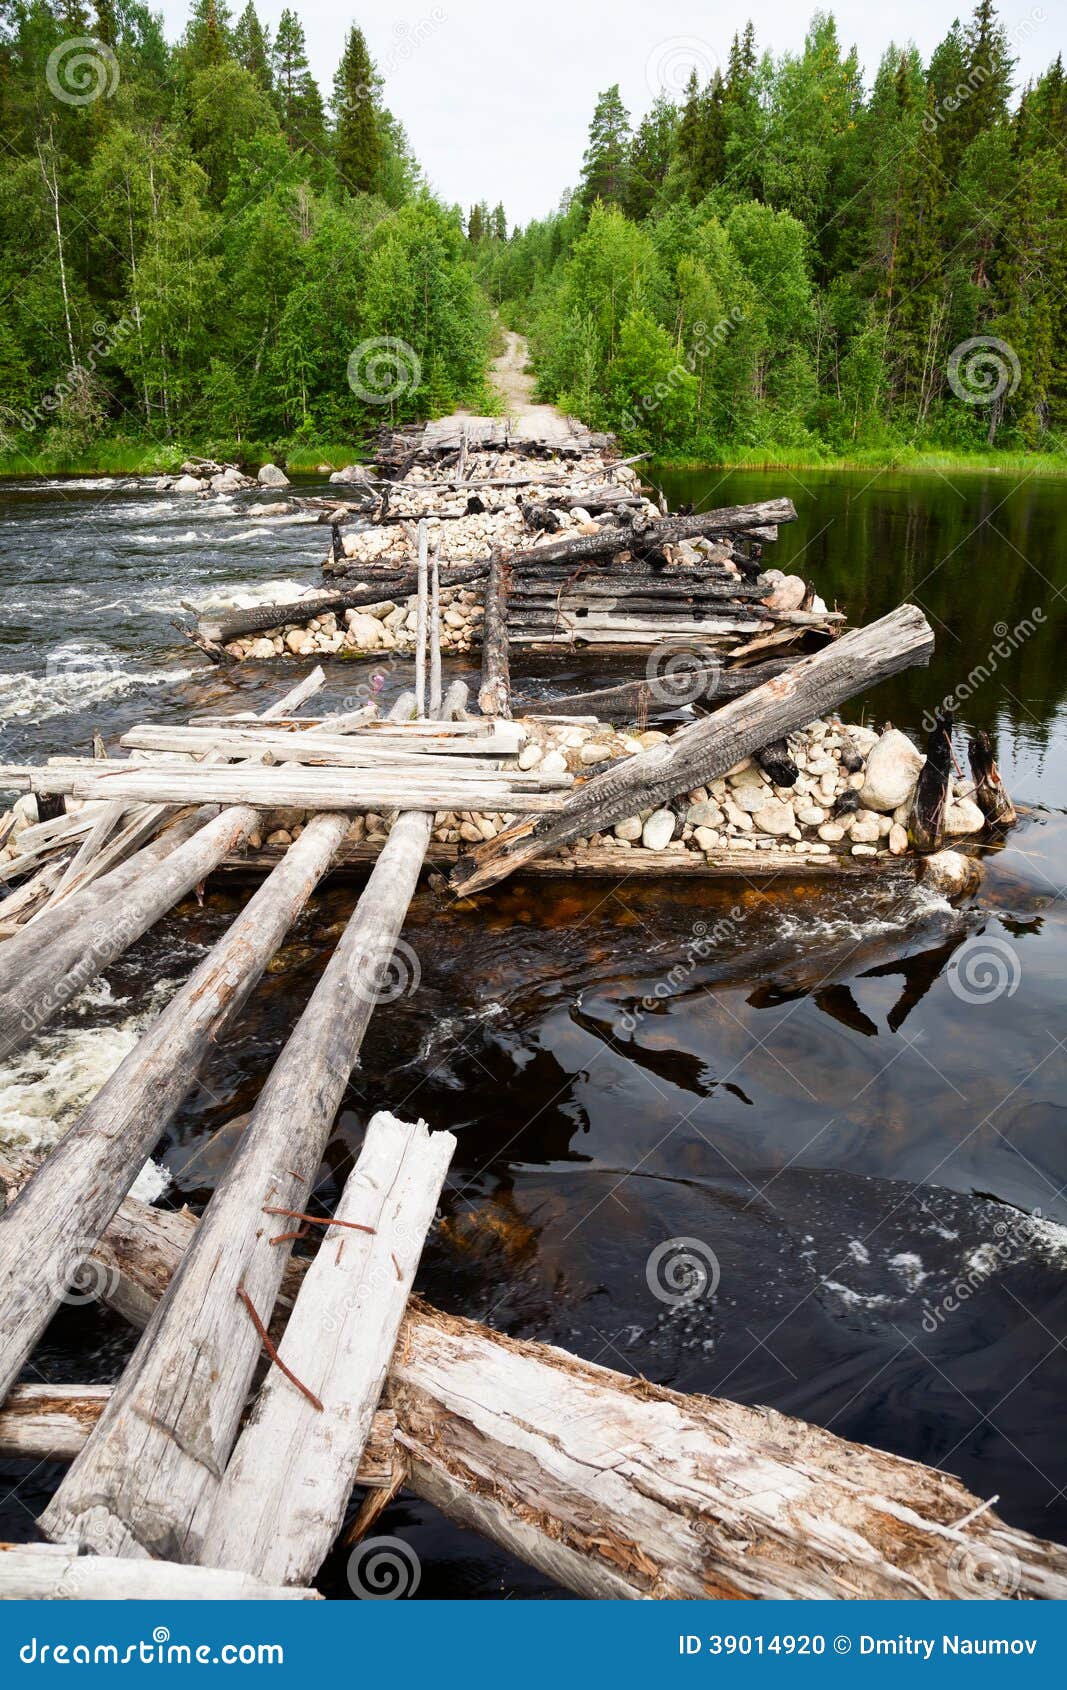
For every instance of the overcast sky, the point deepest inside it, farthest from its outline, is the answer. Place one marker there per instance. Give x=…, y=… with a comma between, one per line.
x=496, y=95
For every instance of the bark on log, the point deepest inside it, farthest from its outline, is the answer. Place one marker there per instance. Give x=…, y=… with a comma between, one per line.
x=227, y=625
x=647, y=539
x=618, y=1487
x=708, y=684
x=284, y=1494
x=41, y=1575
x=926, y=826
x=707, y=749
x=48, y=1230
x=494, y=694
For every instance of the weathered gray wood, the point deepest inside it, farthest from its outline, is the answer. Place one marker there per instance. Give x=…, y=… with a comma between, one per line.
x=435, y=635
x=145, y=1482
x=221, y=627
x=617, y=1487
x=494, y=694
x=421, y=616
x=707, y=684
x=49, y=1422
x=40, y=1574
x=369, y=788
x=62, y=1210
x=433, y=751
x=706, y=749
x=284, y=1494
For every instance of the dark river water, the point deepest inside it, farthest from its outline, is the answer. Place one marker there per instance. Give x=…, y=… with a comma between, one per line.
x=850, y=1107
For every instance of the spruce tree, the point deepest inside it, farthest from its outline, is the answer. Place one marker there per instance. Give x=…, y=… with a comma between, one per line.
x=251, y=44
x=475, y=225
x=358, y=143
x=988, y=67
x=296, y=91
x=209, y=35
x=604, y=167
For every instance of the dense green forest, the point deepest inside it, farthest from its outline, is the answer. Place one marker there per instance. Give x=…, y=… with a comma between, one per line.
x=193, y=243
x=781, y=262
x=199, y=250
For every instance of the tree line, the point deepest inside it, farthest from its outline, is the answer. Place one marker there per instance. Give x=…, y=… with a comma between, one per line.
x=781, y=259
x=195, y=243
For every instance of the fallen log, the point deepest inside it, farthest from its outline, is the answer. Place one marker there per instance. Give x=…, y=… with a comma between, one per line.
x=145, y=1482
x=706, y=749
x=616, y=1487
x=634, y=701
x=226, y=625
x=284, y=1493
x=40, y=1574
x=647, y=539
x=62, y=1210
x=494, y=694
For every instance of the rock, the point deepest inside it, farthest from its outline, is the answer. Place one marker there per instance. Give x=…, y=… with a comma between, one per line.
x=352, y=473
x=809, y=815
x=261, y=649
x=738, y=819
x=816, y=847
x=831, y=832
x=454, y=618
x=364, y=630
x=594, y=751
x=658, y=831
x=629, y=830
x=530, y=756
x=282, y=837
x=751, y=796
x=963, y=816
x=775, y=818
x=271, y=476
x=704, y=814
x=300, y=642
x=228, y=482
x=863, y=832
x=652, y=737
x=706, y=838
x=554, y=763
x=898, y=839
x=323, y=469
x=864, y=851
x=951, y=873
x=277, y=507
x=892, y=771
x=470, y=833
x=788, y=593
x=188, y=484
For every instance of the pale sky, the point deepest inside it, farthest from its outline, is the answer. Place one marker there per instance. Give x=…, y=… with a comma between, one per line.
x=496, y=95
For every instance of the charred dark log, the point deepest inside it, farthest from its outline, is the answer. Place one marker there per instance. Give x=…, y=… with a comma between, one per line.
x=775, y=761
x=635, y=701
x=927, y=825
x=989, y=790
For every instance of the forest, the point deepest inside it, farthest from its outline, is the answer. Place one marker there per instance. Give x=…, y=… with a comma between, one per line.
x=785, y=259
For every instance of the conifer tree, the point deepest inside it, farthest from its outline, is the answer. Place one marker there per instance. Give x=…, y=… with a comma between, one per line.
x=298, y=98
x=604, y=167
x=358, y=143
x=251, y=44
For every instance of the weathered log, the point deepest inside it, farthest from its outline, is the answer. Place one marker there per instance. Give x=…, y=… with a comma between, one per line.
x=146, y=1479
x=494, y=694
x=709, y=684
x=435, y=635
x=775, y=761
x=707, y=749
x=41, y=1575
x=463, y=755
x=45, y=1234
x=284, y=1493
x=615, y=1486
x=421, y=619
x=989, y=790
x=227, y=625
x=647, y=539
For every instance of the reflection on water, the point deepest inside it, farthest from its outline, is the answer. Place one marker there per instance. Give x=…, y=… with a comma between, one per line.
x=852, y=1099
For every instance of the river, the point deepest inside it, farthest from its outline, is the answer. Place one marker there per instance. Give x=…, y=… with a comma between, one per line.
x=848, y=1107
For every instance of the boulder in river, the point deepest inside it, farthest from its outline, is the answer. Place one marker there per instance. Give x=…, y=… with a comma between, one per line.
x=350, y=473
x=188, y=484
x=951, y=873
x=962, y=816
x=892, y=772
x=271, y=476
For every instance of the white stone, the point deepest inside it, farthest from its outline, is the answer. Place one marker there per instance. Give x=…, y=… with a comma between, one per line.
x=530, y=756
x=963, y=816
x=892, y=771
x=365, y=631
x=831, y=832
x=188, y=484
x=775, y=818
x=809, y=815
x=706, y=838
x=898, y=839
x=554, y=762
x=629, y=829
x=864, y=851
x=951, y=873
x=751, y=796
x=271, y=476
x=705, y=814
x=594, y=751
x=658, y=831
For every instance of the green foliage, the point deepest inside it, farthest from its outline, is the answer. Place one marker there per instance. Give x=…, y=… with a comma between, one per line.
x=806, y=255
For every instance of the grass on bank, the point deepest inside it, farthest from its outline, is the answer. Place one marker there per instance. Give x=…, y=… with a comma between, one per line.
x=907, y=458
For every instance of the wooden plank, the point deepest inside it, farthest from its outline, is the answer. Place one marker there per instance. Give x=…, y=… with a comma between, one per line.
x=284, y=1494
x=40, y=1575
x=494, y=694
x=709, y=748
